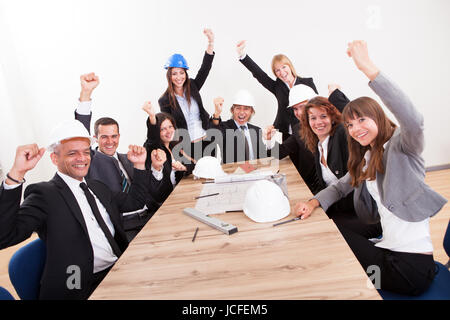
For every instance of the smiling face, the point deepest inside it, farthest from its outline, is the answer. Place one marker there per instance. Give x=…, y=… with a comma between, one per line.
x=242, y=114
x=283, y=72
x=178, y=77
x=166, y=131
x=320, y=122
x=73, y=157
x=298, y=109
x=108, y=139
x=363, y=129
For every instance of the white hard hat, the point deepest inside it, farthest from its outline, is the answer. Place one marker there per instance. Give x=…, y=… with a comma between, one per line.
x=208, y=167
x=244, y=98
x=68, y=130
x=300, y=93
x=266, y=202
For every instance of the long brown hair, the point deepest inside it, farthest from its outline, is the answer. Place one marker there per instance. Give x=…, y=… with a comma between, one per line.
x=171, y=91
x=160, y=118
x=367, y=107
x=307, y=134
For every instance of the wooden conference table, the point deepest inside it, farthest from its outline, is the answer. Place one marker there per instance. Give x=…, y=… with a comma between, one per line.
x=306, y=259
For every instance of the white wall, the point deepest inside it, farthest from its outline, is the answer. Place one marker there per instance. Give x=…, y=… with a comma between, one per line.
x=47, y=44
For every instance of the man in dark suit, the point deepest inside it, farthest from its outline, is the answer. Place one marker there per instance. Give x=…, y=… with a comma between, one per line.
x=107, y=165
x=241, y=140
x=79, y=219
x=294, y=146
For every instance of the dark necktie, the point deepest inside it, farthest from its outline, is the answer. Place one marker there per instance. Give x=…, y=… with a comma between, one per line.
x=247, y=149
x=101, y=222
x=125, y=184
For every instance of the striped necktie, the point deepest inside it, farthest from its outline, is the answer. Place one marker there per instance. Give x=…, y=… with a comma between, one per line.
x=125, y=184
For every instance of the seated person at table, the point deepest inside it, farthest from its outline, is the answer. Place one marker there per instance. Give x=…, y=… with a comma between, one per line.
x=167, y=164
x=324, y=134
x=386, y=172
x=294, y=146
x=242, y=140
x=107, y=165
x=79, y=219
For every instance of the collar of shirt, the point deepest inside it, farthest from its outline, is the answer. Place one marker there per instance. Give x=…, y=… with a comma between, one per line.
x=323, y=145
x=287, y=84
x=239, y=125
x=73, y=184
x=367, y=156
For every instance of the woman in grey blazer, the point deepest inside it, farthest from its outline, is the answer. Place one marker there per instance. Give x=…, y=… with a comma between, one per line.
x=386, y=173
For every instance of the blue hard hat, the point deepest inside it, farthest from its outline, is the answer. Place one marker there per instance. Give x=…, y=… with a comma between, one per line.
x=176, y=61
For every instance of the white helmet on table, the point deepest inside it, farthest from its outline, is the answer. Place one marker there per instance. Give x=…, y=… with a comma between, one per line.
x=208, y=167
x=266, y=202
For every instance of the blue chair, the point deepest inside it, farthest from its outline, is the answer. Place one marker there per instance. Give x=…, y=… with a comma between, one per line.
x=439, y=288
x=25, y=269
x=5, y=295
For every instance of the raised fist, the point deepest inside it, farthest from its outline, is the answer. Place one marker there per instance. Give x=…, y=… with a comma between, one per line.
x=240, y=48
x=218, y=105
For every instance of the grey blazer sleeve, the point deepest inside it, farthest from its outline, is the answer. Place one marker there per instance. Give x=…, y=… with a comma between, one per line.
x=334, y=192
x=410, y=120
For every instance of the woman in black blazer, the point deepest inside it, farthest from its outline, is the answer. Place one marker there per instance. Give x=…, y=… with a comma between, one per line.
x=321, y=124
x=286, y=78
x=183, y=102
x=169, y=168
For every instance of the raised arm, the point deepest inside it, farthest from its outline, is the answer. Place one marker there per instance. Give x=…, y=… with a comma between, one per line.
x=83, y=113
x=152, y=128
x=208, y=58
x=337, y=97
x=410, y=120
x=218, y=106
x=256, y=71
x=18, y=222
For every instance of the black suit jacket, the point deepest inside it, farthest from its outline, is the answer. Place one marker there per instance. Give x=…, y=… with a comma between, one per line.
x=233, y=148
x=196, y=85
x=51, y=210
x=285, y=116
x=105, y=169
x=161, y=189
x=301, y=157
x=337, y=156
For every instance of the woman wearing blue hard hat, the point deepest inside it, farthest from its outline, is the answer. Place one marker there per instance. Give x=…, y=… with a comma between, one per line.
x=183, y=101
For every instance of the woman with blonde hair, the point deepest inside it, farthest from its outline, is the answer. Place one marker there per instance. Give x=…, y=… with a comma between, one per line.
x=286, y=78
x=386, y=173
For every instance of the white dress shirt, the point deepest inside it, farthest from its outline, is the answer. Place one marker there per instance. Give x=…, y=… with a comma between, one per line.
x=104, y=256
x=327, y=175
x=192, y=116
x=399, y=235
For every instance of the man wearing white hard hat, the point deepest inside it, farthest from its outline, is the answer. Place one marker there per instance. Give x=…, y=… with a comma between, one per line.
x=294, y=147
x=78, y=219
x=242, y=140
x=107, y=165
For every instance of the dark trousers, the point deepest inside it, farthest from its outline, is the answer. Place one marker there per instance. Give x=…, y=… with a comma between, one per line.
x=133, y=223
x=400, y=272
